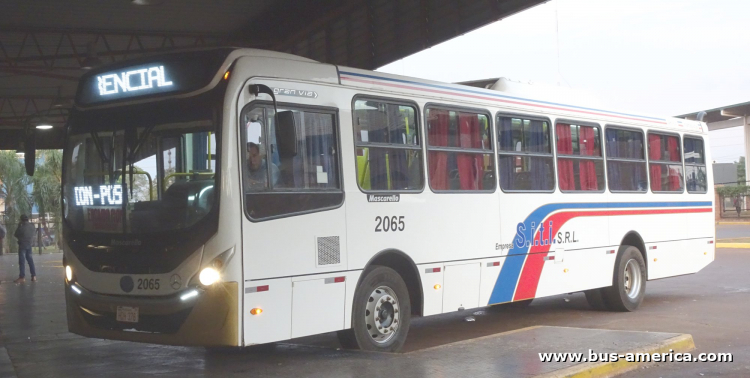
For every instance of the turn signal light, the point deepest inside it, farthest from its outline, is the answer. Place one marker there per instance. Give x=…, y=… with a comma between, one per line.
x=68, y=273
x=226, y=75
x=437, y=286
x=256, y=311
x=565, y=270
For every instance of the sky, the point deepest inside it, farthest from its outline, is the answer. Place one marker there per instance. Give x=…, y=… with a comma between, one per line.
x=659, y=57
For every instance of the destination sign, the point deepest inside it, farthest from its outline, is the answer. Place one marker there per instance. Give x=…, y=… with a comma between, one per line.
x=169, y=74
x=131, y=81
x=106, y=195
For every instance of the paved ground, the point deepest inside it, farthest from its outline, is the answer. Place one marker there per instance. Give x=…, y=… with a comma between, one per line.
x=732, y=231
x=712, y=305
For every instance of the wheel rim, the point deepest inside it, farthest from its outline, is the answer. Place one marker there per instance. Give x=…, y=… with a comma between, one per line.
x=382, y=314
x=632, y=284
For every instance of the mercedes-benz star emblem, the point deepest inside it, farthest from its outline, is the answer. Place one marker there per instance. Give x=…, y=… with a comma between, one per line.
x=176, y=281
x=126, y=284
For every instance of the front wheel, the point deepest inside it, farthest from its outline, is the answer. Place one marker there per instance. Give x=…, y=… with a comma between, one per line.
x=629, y=282
x=381, y=312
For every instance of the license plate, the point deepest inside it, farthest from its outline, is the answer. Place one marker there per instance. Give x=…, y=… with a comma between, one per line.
x=127, y=314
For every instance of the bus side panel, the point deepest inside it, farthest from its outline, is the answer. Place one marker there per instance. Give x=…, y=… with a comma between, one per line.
x=432, y=282
x=461, y=281
x=274, y=323
x=317, y=304
x=579, y=270
x=489, y=272
x=663, y=235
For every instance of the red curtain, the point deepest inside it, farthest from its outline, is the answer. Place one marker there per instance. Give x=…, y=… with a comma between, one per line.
x=470, y=169
x=439, y=121
x=587, y=168
x=565, y=166
x=654, y=153
x=674, y=155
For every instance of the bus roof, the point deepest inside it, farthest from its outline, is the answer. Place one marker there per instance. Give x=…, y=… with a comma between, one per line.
x=456, y=92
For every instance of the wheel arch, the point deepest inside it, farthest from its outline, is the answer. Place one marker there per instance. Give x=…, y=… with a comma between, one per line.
x=634, y=238
x=407, y=269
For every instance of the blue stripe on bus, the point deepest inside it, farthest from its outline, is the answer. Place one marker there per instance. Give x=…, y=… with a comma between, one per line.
x=493, y=94
x=506, y=282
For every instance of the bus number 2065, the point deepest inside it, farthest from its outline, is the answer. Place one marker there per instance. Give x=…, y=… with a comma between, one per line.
x=392, y=224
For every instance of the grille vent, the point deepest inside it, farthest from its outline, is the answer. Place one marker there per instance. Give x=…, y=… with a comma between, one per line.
x=329, y=251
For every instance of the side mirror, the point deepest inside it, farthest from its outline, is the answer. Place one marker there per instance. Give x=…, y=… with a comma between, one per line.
x=286, y=134
x=29, y=152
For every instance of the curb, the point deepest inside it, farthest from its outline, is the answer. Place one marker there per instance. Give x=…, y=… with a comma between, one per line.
x=682, y=343
x=732, y=245
x=735, y=223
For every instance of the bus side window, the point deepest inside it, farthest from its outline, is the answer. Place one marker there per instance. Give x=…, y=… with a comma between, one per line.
x=695, y=165
x=459, y=156
x=665, y=162
x=289, y=185
x=389, y=157
x=525, y=160
x=626, y=160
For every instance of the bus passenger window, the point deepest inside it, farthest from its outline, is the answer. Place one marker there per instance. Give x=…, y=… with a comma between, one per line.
x=387, y=146
x=665, y=163
x=459, y=151
x=695, y=166
x=524, y=154
x=626, y=161
x=580, y=165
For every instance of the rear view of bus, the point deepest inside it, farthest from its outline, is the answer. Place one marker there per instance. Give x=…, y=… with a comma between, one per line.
x=141, y=204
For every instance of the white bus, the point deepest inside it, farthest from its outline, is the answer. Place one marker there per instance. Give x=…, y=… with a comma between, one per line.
x=231, y=197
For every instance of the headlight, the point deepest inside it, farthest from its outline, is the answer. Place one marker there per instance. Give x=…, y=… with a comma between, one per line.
x=68, y=273
x=208, y=276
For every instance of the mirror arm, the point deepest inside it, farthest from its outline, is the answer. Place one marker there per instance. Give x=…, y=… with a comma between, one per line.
x=256, y=89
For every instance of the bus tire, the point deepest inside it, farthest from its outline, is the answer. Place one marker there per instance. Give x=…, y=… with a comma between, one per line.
x=381, y=311
x=629, y=281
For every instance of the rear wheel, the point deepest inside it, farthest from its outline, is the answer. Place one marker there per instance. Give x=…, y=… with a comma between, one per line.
x=629, y=281
x=381, y=314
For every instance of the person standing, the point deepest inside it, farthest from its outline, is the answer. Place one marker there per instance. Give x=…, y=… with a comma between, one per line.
x=2, y=238
x=737, y=206
x=25, y=234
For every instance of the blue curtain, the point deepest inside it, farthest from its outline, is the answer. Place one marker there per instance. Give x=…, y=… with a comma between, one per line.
x=613, y=150
x=540, y=177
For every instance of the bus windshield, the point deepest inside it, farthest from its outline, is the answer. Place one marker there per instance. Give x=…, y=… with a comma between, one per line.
x=140, y=170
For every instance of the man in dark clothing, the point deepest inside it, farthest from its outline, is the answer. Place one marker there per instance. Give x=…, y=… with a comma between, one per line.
x=25, y=234
x=2, y=237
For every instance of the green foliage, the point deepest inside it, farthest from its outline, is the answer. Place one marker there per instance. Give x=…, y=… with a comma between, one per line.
x=741, y=171
x=46, y=193
x=732, y=191
x=13, y=183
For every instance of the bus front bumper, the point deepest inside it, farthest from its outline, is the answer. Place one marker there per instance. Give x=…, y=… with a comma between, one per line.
x=207, y=319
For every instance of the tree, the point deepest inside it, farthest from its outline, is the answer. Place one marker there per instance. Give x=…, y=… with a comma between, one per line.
x=741, y=171
x=144, y=189
x=46, y=193
x=13, y=184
